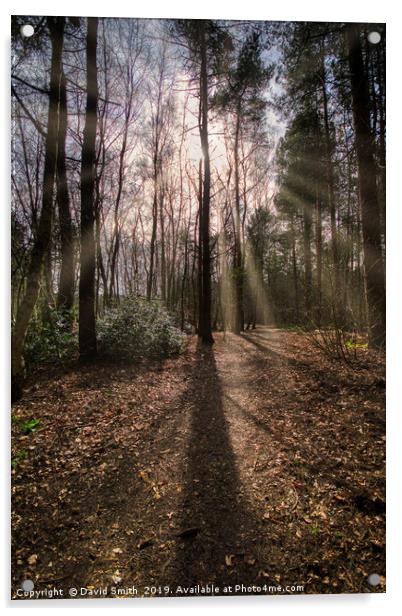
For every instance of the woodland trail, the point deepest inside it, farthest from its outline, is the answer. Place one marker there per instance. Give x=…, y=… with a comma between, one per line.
x=254, y=461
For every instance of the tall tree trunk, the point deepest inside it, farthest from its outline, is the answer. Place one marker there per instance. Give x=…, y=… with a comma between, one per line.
x=195, y=271
x=330, y=188
x=294, y=267
x=165, y=298
x=113, y=284
x=184, y=276
x=44, y=229
x=205, y=308
x=199, y=246
x=150, y=282
x=238, y=322
x=381, y=157
x=308, y=284
x=318, y=243
x=48, y=296
x=87, y=331
x=99, y=257
x=348, y=273
x=65, y=296
x=373, y=265
x=157, y=122
x=114, y=280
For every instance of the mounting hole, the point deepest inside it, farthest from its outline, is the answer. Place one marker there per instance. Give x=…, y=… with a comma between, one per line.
x=27, y=30
x=374, y=579
x=27, y=585
x=374, y=38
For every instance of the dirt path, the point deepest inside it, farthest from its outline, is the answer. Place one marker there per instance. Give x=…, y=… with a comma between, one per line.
x=256, y=461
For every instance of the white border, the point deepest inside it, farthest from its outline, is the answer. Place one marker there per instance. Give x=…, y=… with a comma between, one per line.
x=308, y=10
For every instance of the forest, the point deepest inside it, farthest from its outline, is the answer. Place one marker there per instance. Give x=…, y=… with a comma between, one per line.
x=198, y=238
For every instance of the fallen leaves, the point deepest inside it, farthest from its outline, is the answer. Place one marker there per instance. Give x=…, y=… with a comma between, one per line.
x=144, y=543
x=116, y=577
x=307, y=443
x=144, y=475
x=232, y=559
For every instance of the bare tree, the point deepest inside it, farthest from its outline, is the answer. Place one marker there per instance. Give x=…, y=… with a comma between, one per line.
x=56, y=30
x=65, y=297
x=87, y=330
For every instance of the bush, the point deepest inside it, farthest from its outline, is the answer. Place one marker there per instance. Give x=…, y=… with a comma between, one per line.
x=138, y=328
x=49, y=339
x=338, y=344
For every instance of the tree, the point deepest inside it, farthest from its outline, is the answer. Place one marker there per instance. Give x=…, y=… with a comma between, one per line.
x=170, y=162
x=373, y=263
x=204, y=326
x=65, y=297
x=56, y=27
x=159, y=147
x=87, y=328
x=242, y=97
x=207, y=43
x=299, y=167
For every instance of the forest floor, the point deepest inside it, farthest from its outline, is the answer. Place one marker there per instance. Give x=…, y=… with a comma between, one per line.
x=253, y=462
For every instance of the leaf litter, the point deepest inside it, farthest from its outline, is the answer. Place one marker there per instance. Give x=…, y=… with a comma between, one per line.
x=257, y=460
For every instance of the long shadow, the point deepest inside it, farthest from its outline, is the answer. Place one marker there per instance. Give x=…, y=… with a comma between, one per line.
x=322, y=376
x=217, y=531
x=331, y=468
x=268, y=350
x=263, y=425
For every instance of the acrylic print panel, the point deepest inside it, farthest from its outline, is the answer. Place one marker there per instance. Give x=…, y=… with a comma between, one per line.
x=198, y=247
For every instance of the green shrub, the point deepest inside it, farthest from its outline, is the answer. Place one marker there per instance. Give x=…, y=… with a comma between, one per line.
x=138, y=328
x=49, y=339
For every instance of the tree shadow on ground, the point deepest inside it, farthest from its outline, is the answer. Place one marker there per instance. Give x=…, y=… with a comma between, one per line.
x=218, y=533
x=270, y=351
